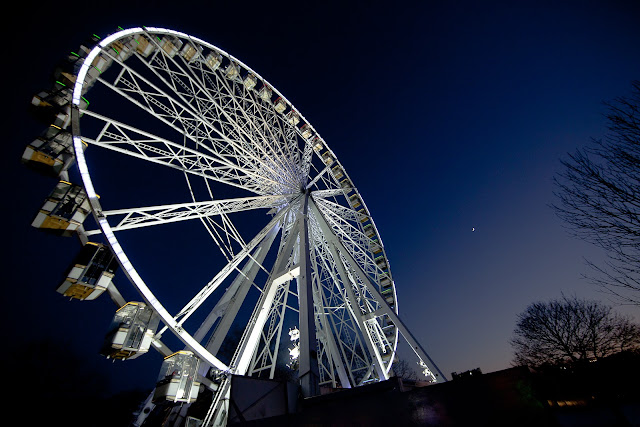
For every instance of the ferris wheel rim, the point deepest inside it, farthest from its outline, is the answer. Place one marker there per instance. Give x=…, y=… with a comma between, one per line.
x=106, y=228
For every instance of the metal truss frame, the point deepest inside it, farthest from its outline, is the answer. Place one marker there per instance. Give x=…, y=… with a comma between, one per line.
x=219, y=127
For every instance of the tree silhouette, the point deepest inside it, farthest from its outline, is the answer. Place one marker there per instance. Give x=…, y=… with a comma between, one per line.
x=404, y=370
x=598, y=197
x=571, y=330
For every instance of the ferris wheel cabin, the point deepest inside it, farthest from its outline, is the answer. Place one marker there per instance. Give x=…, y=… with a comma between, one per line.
x=250, y=81
x=64, y=210
x=177, y=381
x=190, y=52
x=131, y=331
x=213, y=60
x=317, y=144
x=90, y=274
x=292, y=117
x=280, y=105
x=265, y=93
x=51, y=153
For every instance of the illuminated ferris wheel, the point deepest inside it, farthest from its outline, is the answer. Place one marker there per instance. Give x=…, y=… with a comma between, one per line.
x=173, y=137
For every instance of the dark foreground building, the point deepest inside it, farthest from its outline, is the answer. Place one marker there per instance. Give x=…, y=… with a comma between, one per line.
x=512, y=397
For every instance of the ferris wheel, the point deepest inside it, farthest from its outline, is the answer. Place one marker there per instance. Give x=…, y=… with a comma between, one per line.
x=172, y=138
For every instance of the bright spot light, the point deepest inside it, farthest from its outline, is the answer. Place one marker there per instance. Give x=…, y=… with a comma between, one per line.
x=294, y=334
x=294, y=352
x=426, y=371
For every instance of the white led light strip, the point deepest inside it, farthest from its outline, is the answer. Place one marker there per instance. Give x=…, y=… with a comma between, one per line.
x=130, y=271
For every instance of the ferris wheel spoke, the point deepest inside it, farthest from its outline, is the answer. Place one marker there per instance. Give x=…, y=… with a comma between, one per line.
x=341, y=220
x=242, y=102
x=346, y=213
x=190, y=90
x=177, y=113
x=318, y=177
x=276, y=133
x=232, y=265
x=230, y=232
x=331, y=192
x=234, y=118
x=266, y=355
x=265, y=343
x=306, y=160
x=157, y=215
x=128, y=140
x=254, y=336
x=328, y=177
x=235, y=104
x=368, y=306
x=183, y=119
x=228, y=306
x=333, y=318
x=212, y=107
x=356, y=311
x=350, y=282
x=388, y=311
x=360, y=245
x=345, y=218
x=213, y=228
x=362, y=248
x=288, y=138
x=330, y=344
x=343, y=315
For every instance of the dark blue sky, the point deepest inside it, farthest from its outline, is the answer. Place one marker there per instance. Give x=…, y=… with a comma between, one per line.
x=448, y=116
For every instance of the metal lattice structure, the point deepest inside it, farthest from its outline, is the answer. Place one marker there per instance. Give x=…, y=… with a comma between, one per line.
x=166, y=99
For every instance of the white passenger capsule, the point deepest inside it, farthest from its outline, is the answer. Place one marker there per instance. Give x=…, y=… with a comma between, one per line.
x=90, y=274
x=178, y=379
x=64, y=210
x=131, y=331
x=213, y=60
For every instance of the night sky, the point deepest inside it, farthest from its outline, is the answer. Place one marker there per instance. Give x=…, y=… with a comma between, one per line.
x=448, y=116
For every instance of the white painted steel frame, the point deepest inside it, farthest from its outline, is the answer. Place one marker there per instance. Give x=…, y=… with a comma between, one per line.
x=231, y=137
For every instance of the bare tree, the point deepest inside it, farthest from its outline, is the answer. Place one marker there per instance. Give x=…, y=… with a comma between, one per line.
x=598, y=195
x=403, y=369
x=570, y=330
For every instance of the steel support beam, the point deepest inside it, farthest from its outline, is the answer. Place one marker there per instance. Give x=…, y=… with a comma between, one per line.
x=385, y=307
x=308, y=371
